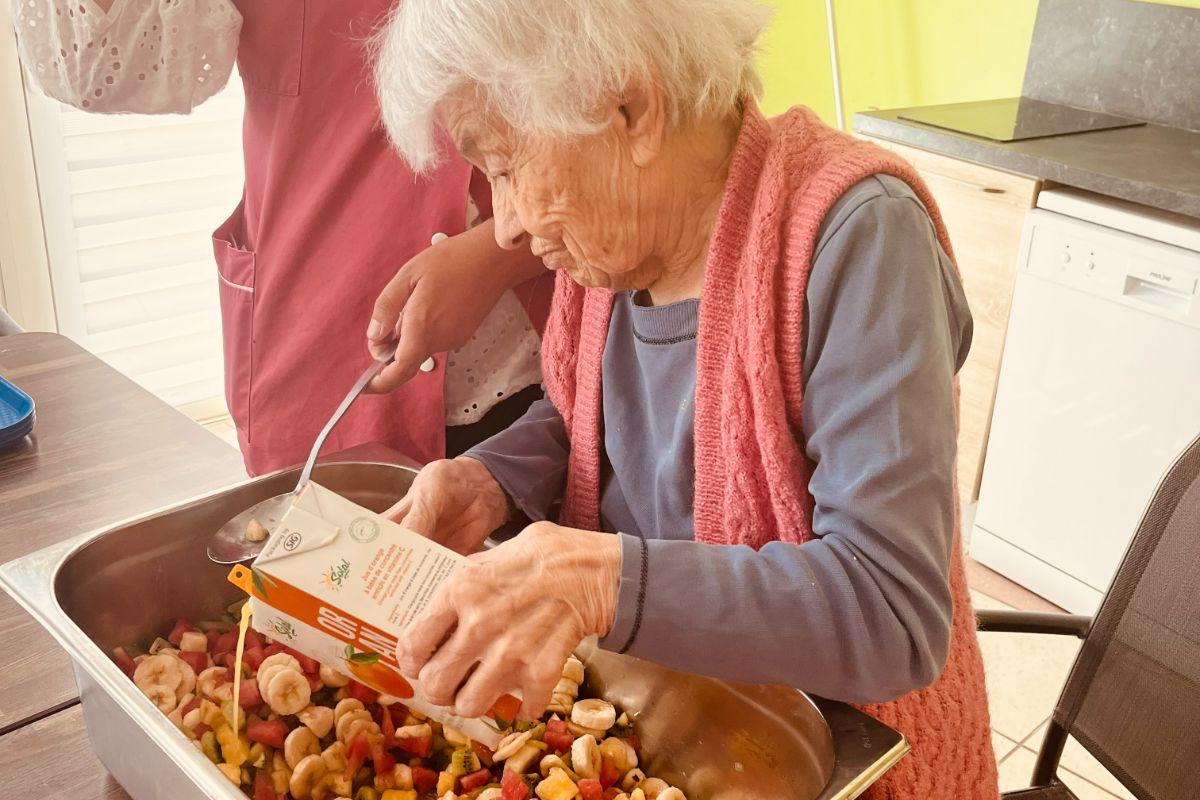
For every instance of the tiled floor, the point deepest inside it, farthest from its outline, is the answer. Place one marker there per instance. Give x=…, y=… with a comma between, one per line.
x=1025, y=673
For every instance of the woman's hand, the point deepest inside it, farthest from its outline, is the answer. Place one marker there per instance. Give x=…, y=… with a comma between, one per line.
x=456, y=502
x=439, y=298
x=509, y=620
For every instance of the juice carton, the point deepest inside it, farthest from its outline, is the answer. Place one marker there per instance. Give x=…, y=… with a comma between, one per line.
x=339, y=583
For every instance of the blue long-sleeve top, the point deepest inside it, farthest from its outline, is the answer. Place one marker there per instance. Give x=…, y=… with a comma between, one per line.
x=860, y=613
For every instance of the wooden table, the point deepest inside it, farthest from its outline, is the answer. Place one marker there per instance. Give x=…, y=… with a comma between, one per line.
x=103, y=449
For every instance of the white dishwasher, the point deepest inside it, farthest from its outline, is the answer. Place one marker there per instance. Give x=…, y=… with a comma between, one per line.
x=1099, y=390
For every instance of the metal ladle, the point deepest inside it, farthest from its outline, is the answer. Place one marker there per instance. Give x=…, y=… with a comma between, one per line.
x=229, y=544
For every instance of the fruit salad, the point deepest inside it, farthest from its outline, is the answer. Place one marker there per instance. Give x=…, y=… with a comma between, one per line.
x=308, y=730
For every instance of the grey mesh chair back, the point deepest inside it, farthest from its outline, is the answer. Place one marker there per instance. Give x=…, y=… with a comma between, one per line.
x=1133, y=696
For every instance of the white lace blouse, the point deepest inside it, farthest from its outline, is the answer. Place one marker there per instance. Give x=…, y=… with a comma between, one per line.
x=168, y=56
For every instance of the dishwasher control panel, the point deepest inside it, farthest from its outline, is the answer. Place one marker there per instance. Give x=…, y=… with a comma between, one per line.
x=1128, y=269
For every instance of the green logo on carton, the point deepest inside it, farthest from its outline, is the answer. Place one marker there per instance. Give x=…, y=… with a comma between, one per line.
x=282, y=629
x=336, y=575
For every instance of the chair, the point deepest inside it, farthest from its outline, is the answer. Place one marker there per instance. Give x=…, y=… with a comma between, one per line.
x=1132, y=697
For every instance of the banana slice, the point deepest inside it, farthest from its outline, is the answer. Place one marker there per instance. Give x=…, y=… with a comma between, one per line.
x=637, y=794
x=299, y=743
x=161, y=671
x=161, y=696
x=653, y=787
x=334, y=757
x=585, y=757
x=418, y=731
x=319, y=719
x=633, y=779
x=265, y=674
x=567, y=686
x=595, y=714
x=671, y=793
x=455, y=737
x=286, y=659
x=188, y=683
x=351, y=724
x=491, y=794
x=573, y=670
x=331, y=677
x=306, y=776
x=554, y=761
x=208, y=680
x=345, y=707
x=618, y=753
x=510, y=744
x=288, y=692
x=560, y=703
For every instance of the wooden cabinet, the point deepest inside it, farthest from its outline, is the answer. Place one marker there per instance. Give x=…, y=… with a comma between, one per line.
x=984, y=211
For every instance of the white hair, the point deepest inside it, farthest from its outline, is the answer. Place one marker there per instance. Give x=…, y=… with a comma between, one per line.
x=546, y=65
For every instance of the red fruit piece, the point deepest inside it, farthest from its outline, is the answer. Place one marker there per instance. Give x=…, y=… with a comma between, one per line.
x=361, y=692
x=270, y=732
x=182, y=626
x=195, y=703
x=248, y=695
x=253, y=656
x=558, y=742
x=124, y=661
x=380, y=757
x=590, y=789
x=356, y=754
x=264, y=788
x=424, y=780
x=484, y=752
x=309, y=665
x=255, y=639
x=418, y=747
x=612, y=793
x=213, y=637
x=275, y=648
x=609, y=774
x=314, y=683
x=197, y=661
x=512, y=786
x=470, y=783
x=226, y=642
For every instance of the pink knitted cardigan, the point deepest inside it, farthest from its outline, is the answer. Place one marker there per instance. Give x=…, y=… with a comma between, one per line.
x=751, y=472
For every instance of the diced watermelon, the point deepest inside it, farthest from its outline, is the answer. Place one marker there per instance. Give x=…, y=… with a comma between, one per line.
x=609, y=774
x=361, y=692
x=484, y=752
x=314, y=683
x=513, y=786
x=309, y=665
x=193, y=704
x=356, y=754
x=264, y=787
x=271, y=732
x=556, y=726
x=590, y=789
x=388, y=726
x=201, y=729
x=612, y=793
x=418, y=747
x=226, y=642
x=558, y=742
x=425, y=779
x=254, y=639
x=124, y=661
x=469, y=783
x=380, y=757
x=182, y=626
x=197, y=661
x=253, y=656
x=275, y=649
x=248, y=695
x=213, y=636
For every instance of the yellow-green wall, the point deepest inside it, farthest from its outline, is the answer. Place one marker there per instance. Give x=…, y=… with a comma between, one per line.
x=898, y=52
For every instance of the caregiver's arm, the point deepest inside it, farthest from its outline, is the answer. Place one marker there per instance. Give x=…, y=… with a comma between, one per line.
x=439, y=298
x=150, y=57
x=861, y=613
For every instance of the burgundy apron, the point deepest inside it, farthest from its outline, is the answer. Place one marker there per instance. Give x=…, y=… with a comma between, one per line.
x=329, y=213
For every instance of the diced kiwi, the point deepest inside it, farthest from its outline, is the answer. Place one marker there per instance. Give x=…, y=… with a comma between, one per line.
x=208, y=746
x=366, y=793
x=218, y=625
x=463, y=762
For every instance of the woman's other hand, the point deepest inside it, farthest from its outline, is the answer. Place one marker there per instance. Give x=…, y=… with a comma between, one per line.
x=440, y=297
x=509, y=620
x=456, y=502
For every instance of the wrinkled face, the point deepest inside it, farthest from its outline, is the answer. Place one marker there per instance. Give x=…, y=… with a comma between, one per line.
x=578, y=201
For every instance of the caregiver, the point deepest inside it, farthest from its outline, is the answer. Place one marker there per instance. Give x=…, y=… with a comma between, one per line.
x=750, y=370
x=327, y=215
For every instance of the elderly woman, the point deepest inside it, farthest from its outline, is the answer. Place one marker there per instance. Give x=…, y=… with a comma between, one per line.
x=750, y=413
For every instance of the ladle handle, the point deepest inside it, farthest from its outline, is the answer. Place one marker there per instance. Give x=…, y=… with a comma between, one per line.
x=371, y=371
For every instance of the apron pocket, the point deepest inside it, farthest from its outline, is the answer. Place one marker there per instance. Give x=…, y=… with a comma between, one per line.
x=271, y=46
x=235, y=276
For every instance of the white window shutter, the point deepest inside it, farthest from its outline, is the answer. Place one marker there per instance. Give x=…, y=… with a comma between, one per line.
x=129, y=203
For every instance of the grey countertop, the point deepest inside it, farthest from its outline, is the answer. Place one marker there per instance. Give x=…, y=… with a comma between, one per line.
x=1155, y=165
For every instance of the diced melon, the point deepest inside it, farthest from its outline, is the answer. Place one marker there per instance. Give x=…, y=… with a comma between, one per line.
x=557, y=786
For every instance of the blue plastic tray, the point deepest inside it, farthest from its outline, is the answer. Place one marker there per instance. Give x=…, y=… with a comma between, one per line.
x=16, y=414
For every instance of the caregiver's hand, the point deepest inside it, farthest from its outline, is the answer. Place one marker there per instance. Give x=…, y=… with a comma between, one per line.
x=513, y=616
x=439, y=298
x=456, y=502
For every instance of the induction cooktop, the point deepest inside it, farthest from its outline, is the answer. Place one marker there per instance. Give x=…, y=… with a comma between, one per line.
x=1013, y=119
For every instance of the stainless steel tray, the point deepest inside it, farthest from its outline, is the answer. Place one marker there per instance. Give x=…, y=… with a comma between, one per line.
x=716, y=740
